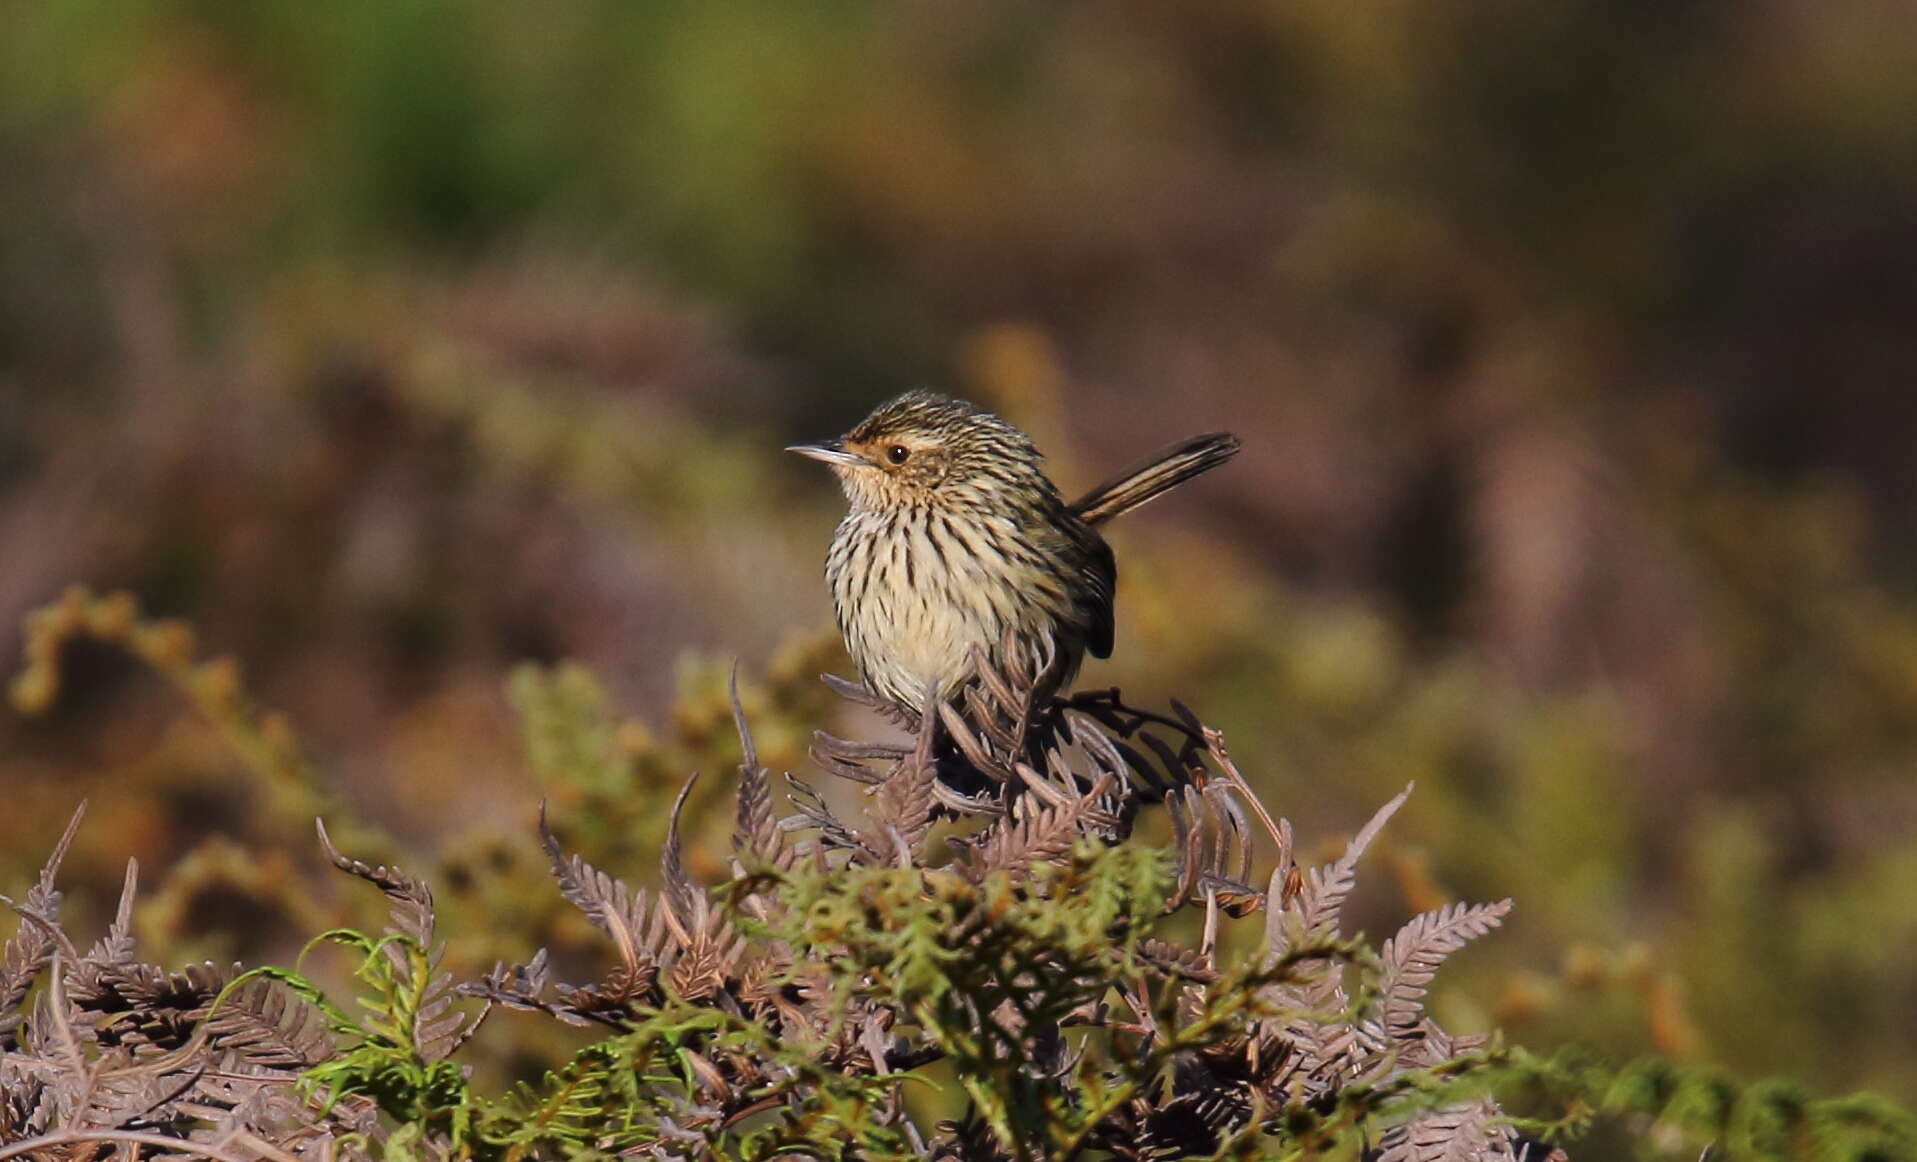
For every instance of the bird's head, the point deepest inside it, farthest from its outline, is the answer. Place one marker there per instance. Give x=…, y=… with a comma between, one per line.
x=924, y=449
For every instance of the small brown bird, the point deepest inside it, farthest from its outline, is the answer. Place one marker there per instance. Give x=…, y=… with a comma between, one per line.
x=955, y=534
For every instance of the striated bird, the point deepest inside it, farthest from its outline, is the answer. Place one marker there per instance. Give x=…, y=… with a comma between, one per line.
x=955, y=536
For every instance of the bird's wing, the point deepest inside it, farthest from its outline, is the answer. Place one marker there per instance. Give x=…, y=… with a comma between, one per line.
x=1101, y=577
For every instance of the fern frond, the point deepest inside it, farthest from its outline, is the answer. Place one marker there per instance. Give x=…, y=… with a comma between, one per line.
x=681, y=903
x=88, y=980
x=905, y=804
x=1411, y=959
x=408, y=897
x=608, y=903
x=269, y=1027
x=756, y=834
x=1462, y=1133
x=1325, y=888
x=30, y=951
x=1035, y=833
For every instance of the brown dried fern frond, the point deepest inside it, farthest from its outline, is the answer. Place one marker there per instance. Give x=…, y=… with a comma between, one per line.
x=985, y=752
x=27, y=955
x=1412, y=957
x=269, y=1027
x=637, y=931
x=409, y=899
x=756, y=834
x=1463, y=1133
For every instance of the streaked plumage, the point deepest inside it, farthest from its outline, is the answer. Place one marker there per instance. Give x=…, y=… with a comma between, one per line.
x=955, y=534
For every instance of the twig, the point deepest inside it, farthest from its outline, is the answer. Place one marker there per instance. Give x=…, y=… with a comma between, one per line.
x=133, y=1137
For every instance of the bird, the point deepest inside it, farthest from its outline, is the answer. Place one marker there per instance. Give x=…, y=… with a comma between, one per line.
x=955, y=539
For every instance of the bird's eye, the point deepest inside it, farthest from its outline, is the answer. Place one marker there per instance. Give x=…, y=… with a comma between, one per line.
x=898, y=453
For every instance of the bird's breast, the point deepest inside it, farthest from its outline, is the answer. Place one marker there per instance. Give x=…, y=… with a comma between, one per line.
x=917, y=590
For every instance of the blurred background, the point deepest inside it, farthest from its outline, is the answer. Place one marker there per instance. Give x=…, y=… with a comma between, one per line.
x=433, y=361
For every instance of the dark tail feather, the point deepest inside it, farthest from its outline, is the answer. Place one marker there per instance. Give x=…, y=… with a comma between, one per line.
x=1147, y=480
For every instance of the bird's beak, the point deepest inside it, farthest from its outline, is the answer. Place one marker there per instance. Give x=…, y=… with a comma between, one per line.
x=830, y=451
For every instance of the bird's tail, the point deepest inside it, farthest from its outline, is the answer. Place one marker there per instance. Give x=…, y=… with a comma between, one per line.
x=1162, y=472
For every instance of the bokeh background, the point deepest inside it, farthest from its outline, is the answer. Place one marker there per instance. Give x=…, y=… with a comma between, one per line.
x=411, y=349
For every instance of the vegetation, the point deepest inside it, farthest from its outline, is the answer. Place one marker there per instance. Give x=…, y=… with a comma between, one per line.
x=844, y=984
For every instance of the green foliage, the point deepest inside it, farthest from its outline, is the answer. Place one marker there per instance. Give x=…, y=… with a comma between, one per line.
x=1675, y=1111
